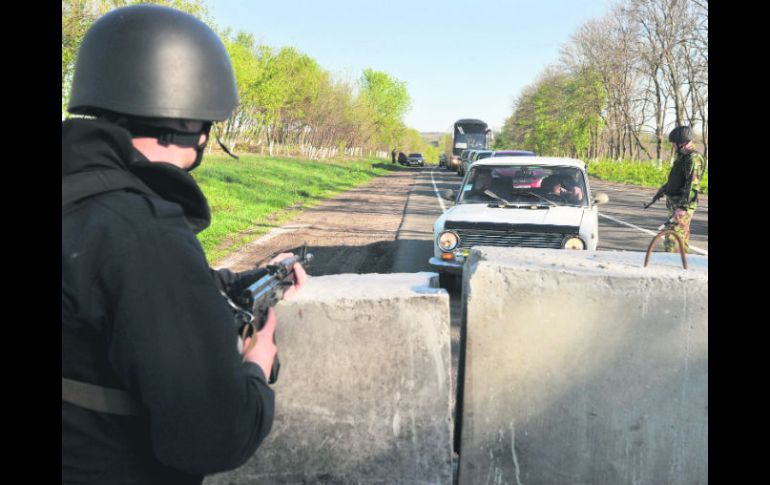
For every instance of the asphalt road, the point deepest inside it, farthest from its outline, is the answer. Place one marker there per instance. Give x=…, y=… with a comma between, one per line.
x=623, y=225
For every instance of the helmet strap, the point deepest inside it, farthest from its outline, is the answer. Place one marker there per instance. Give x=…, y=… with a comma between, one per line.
x=222, y=145
x=168, y=136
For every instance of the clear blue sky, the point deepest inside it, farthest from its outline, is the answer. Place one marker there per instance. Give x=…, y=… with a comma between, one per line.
x=459, y=59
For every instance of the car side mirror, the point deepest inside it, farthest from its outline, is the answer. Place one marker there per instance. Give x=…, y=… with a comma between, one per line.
x=447, y=194
x=601, y=198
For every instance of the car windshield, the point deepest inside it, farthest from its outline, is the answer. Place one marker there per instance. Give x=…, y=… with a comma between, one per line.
x=415, y=155
x=471, y=140
x=529, y=185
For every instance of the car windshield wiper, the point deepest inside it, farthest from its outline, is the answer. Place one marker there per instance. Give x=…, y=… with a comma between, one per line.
x=505, y=203
x=543, y=198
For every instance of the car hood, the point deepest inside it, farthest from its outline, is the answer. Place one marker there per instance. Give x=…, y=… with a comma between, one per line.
x=554, y=216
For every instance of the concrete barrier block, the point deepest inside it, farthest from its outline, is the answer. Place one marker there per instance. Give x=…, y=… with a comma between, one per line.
x=363, y=393
x=584, y=368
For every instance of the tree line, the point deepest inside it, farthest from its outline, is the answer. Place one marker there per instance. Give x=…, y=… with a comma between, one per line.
x=289, y=104
x=622, y=83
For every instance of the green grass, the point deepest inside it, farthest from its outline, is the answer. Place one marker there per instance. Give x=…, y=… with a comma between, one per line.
x=646, y=174
x=255, y=191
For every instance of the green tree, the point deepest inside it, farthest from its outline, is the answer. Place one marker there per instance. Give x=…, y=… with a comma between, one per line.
x=389, y=102
x=78, y=15
x=558, y=115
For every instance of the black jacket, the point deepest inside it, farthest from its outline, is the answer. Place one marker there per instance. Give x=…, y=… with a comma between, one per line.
x=679, y=176
x=141, y=311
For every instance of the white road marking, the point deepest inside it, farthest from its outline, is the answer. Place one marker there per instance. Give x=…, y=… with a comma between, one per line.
x=647, y=231
x=435, y=189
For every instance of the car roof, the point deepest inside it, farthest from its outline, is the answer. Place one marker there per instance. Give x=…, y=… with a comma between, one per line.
x=514, y=160
x=512, y=152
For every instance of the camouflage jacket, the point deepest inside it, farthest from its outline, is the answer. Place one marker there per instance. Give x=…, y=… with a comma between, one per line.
x=683, y=183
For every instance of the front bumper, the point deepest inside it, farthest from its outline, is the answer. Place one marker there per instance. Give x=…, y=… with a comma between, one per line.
x=441, y=266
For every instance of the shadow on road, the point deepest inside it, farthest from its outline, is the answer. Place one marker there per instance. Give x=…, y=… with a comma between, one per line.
x=376, y=257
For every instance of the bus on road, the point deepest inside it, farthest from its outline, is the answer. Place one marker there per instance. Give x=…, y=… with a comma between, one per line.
x=467, y=134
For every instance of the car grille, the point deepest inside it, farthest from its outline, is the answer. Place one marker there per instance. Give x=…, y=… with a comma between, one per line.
x=512, y=236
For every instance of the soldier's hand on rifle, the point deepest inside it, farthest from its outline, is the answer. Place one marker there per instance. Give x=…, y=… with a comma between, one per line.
x=300, y=276
x=264, y=350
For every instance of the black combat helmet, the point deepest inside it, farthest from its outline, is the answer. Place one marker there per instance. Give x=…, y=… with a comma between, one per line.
x=153, y=62
x=680, y=134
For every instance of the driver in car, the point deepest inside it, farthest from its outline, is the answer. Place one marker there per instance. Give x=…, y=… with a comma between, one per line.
x=559, y=189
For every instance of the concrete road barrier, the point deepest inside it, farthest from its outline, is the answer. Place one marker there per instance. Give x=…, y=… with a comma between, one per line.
x=584, y=368
x=363, y=392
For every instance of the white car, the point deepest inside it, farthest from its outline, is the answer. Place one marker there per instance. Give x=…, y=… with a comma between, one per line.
x=540, y=202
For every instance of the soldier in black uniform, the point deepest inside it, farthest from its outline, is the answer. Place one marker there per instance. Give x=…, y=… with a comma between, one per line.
x=154, y=389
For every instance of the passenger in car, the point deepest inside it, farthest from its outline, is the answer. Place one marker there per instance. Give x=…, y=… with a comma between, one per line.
x=482, y=182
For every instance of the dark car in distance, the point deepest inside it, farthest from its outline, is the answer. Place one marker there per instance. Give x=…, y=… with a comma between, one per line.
x=415, y=159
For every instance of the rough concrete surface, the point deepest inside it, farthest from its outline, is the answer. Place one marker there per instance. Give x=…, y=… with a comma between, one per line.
x=584, y=368
x=363, y=393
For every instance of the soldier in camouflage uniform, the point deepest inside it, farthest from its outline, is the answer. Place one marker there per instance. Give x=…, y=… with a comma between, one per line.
x=682, y=188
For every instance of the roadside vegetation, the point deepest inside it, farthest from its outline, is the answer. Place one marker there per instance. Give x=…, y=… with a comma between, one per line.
x=644, y=173
x=289, y=104
x=250, y=196
x=623, y=81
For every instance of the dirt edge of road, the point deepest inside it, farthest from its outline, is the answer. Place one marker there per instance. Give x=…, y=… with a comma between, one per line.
x=362, y=241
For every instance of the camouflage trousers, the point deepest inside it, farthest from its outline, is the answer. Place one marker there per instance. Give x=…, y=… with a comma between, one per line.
x=679, y=223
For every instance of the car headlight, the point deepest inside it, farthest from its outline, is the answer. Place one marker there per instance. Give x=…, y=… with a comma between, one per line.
x=573, y=242
x=447, y=241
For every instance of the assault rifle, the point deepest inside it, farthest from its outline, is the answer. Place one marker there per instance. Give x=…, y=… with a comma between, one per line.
x=655, y=198
x=252, y=305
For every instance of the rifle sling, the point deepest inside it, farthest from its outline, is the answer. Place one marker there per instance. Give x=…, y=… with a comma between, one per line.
x=98, y=398
x=74, y=188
